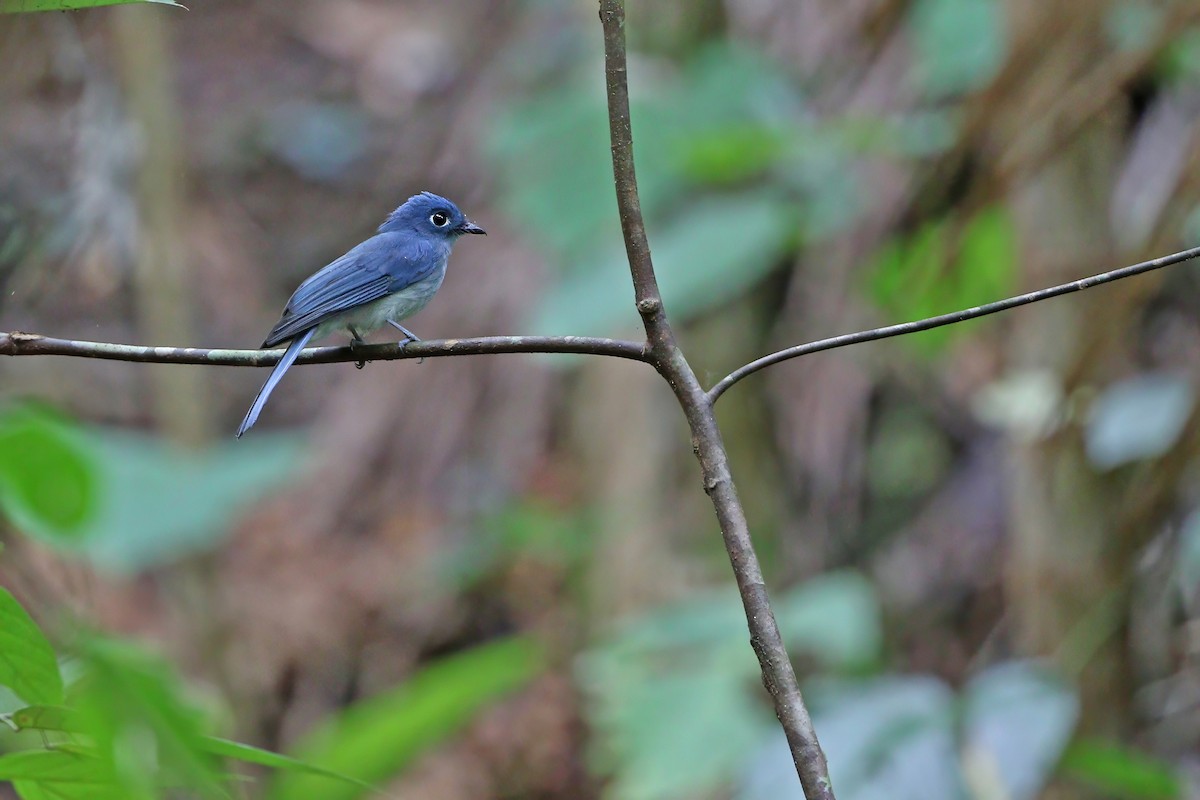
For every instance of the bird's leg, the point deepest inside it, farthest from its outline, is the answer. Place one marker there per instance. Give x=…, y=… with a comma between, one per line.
x=356, y=341
x=409, y=336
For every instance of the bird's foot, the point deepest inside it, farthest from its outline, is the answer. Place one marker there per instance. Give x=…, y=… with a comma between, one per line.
x=409, y=337
x=356, y=342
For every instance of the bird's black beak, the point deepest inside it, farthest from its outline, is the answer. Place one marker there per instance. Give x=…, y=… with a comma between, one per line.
x=471, y=227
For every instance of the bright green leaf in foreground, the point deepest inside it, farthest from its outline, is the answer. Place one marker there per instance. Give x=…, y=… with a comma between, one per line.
x=133, y=706
x=376, y=738
x=64, y=774
x=27, y=662
x=61, y=719
x=21, y=6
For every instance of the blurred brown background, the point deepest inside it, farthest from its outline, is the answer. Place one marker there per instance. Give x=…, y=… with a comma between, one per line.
x=1020, y=488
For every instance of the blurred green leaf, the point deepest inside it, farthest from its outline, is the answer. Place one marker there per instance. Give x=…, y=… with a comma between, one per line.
x=134, y=708
x=256, y=755
x=20, y=6
x=67, y=720
x=960, y=44
x=48, y=479
x=1138, y=418
x=155, y=503
x=1121, y=772
x=28, y=665
x=1017, y=718
x=63, y=774
x=733, y=154
x=935, y=271
x=710, y=253
x=378, y=737
x=553, y=150
x=553, y=153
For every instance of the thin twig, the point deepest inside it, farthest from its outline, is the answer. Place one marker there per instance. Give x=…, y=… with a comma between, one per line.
x=664, y=353
x=946, y=319
x=17, y=343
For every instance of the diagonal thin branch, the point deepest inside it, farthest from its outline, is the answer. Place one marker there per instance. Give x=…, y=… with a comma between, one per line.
x=18, y=343
x=946, y=319
x=664, y=353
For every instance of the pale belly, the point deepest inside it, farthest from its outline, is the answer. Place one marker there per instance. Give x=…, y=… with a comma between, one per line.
x=396, y=307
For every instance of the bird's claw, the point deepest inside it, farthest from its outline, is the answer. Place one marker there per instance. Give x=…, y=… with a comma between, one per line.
x=405, y=342
x=355, y=343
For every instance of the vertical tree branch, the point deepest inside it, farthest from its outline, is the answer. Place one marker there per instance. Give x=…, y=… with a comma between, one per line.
x=664, y=353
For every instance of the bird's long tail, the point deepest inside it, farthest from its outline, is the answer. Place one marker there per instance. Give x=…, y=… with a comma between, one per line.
x=289, y=358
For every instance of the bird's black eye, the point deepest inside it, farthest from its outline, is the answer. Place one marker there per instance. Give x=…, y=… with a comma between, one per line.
x=440, y=218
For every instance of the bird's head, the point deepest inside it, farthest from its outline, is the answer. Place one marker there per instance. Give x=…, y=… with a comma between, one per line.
x=432, y=215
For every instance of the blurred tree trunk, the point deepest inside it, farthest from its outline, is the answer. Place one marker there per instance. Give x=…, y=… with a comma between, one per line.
x=161, y=279
x=1067, y=560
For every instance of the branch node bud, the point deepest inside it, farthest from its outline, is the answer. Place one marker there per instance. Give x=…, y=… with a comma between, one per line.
x=649, y=305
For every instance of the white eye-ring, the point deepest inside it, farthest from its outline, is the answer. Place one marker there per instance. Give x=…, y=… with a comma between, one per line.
x=440, y=218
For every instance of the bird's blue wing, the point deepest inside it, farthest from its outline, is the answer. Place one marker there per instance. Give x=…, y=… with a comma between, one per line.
x=376, y=268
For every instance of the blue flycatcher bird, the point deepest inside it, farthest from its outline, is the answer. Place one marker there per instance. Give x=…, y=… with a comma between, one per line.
x=386, y=279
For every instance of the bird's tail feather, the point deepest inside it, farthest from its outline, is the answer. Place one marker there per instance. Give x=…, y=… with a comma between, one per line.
x=289, y=358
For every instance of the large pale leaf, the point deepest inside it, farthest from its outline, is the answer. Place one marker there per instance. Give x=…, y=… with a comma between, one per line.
x=1138, y=418
x=48, y=477
x=1017, y=719
x=675, y=696
x=889, y=738
x=707, y=255
x=910, y=738
x=155, y=503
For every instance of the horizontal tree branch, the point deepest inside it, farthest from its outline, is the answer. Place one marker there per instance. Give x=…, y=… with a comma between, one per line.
x=946, y=319
x=18, y=343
